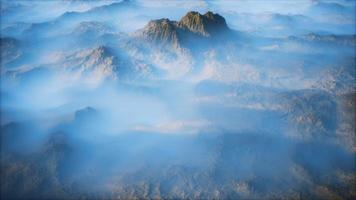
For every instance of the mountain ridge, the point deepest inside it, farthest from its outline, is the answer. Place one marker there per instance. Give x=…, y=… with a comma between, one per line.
x=180, y=34
x=207, y=25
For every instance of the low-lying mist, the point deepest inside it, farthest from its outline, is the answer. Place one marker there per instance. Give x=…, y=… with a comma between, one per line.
x=150, y=100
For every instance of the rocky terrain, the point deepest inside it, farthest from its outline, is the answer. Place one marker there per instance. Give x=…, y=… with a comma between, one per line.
x=192, y=28
x=178, y=100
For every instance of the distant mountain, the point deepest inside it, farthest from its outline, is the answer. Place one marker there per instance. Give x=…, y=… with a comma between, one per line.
x=85, y=114
x=105, y=10
x=91, y=29
x=99, y=63
x=327, y=38
x=191, y=28
x=325, y=7
x=124, y=4
x=288, y=19
x=71, y=17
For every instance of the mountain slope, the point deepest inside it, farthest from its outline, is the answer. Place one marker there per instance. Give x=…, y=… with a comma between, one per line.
x=194, y=28
x=207, y=25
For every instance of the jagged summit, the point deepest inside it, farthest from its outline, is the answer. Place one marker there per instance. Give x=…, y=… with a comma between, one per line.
x=162, y=30
x=192, y=25
x=207, y=25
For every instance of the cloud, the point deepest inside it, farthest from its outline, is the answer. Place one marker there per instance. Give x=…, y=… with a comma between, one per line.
x=175, y=127
x=269, y=47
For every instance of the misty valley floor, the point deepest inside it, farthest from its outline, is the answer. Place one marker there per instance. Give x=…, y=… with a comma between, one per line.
x=84, y=157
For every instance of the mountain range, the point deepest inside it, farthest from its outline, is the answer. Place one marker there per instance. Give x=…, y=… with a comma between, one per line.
x=192, y=28
x=178, y=100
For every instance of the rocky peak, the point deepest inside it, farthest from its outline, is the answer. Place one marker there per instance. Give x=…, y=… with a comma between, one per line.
x=206, y=25
x=192, y=25
x=162, y=30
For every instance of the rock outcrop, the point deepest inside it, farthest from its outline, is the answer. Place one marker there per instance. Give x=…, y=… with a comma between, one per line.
x=180, y=34
x=207, y=25
x=162, y=30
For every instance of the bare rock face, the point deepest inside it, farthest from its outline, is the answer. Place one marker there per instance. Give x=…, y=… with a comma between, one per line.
x=192, y=25
x=207, y=25
x=162, y=30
